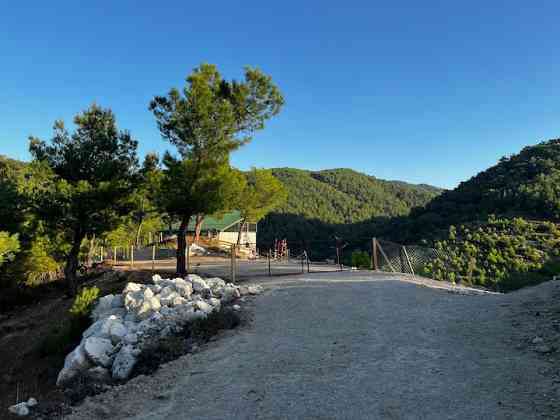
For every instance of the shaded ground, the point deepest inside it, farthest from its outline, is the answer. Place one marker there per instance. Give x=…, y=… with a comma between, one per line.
x=25, y=370
x=370, y=346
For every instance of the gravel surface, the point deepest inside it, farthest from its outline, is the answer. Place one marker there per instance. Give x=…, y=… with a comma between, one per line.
x=357, y=346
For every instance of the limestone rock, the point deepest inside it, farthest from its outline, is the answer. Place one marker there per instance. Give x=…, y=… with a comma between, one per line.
x=99, y=350
x=124, y=363
x=20, y=409
x=75, y=362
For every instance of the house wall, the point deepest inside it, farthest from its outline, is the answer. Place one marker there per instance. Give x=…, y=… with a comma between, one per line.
x=231, y=237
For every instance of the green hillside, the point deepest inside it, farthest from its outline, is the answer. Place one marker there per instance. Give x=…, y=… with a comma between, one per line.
x=525, y=185
x=323, y=203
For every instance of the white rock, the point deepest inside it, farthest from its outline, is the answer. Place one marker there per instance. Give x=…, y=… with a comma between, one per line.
x=132, y=287
x=537, y=340
x=99, y=350
x=229, y=293
x=99, y=374
x=133, y=300
x=214, y=302
x=20, y=409
x=75, y=362
x=31, y=402
x=118, y=301
x=254, y=290
x=184, y=288
x=203, y=306
x=236, y=307
x=148, y=293
x=148, y=308
x=117, y=332
x=215, y=283
x=197, y=283
x=124, y=363
x=169, y=300
x=178, y=301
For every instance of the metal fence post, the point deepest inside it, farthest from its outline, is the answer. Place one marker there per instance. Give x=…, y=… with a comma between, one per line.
x=132, y=255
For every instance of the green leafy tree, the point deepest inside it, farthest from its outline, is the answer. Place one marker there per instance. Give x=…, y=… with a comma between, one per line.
x=91, y=179
x=9, y=246
x=261, y=194
x=208, y=120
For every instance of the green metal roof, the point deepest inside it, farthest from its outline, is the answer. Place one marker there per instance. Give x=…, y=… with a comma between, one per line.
x=211, y=223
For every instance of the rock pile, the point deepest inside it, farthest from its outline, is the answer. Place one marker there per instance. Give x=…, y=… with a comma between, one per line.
x=126, y=323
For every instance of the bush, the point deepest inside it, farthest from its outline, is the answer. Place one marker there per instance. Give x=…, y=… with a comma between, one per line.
x=361, y=259
x=83, y=304
x=68, y=333
x=9, y=246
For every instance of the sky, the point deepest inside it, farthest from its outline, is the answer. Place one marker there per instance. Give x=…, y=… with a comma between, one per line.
x=425, y=92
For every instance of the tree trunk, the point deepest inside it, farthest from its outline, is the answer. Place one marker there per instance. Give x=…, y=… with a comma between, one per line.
x=91, y=248
x=182, y=246
x=198, y=227
x=72, y=264
x=241, y=224
x=138, y=231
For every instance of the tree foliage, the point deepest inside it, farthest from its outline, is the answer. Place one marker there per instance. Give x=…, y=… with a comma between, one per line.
x=206, y=121
x=90, y=179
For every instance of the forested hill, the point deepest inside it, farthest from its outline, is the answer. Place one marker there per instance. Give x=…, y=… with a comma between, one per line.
x=525, y=185
x=327, y=202
x=347, y=196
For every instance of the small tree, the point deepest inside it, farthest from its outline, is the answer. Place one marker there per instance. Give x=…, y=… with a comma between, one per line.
x=208, y=120
x=92, y=177
x=261, y=194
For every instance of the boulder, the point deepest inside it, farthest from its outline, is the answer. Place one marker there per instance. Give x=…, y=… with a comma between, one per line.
x=99, y=374
x=118, y=301
x=117, y=331
x=20, y=409
x=148, y=308
x=228, y=293
x=214, y=302
x=75, y=362
x=203, y=306
x=102, y=327
x=130, y=338
x=124, y=363
x=32, y=402
x=133, y=300
x=133, y=287
x=99, y=351
x=197, y=283
x=215, y=282
x=184, y=288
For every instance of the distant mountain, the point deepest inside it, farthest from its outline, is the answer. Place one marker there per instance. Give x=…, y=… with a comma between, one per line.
x=321, y=203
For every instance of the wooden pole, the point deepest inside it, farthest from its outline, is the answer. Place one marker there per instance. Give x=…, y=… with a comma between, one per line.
x=385, y=256
x=233, y=263
x=302, y=263
x=153, y=257
x=374, y=264
x=115, y=255
x=269, y=272
x=408, y=260
x=132, y=255
x=187, y=256
x=307, y=260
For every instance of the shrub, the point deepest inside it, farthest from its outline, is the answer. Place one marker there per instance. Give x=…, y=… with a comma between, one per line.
x=361, y=259
x=84, y=301
x=68, y=333
x=9, y=246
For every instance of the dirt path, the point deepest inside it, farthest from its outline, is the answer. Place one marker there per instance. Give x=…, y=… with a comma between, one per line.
x=376, y=349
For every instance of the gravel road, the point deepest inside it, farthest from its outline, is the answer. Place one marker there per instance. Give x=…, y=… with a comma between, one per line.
x=367, y=347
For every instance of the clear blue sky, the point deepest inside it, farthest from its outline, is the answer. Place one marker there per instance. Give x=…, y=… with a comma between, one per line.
x=430, y=91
